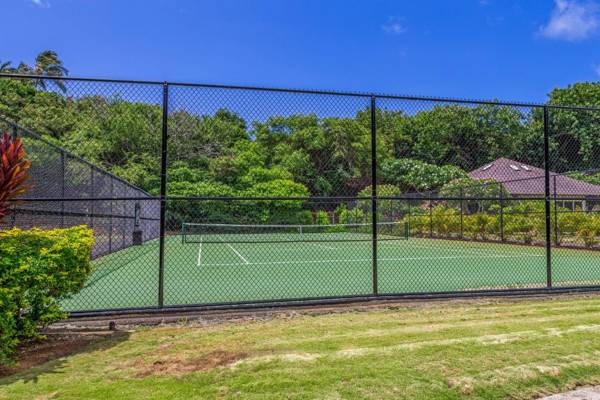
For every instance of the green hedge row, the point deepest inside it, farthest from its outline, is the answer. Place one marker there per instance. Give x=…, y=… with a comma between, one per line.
x=38, y=268
x=523, y=223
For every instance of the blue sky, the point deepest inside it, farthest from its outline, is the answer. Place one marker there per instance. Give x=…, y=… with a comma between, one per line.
x=504, y=49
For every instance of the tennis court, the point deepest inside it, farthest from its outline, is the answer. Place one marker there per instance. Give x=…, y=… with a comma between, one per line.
x=236, y=263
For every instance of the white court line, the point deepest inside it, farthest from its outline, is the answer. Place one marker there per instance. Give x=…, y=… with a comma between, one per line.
x=200, y=252
x=369, y=259
x=323, y=246
x=234, y=250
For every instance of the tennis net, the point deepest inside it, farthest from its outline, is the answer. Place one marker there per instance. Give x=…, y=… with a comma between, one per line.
x=233, y=233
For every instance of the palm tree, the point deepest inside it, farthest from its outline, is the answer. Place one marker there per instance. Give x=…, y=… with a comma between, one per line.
x=49, y=64
x=6, y=67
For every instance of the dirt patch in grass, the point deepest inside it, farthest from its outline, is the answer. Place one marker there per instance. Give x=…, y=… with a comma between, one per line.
x=177, y=366
x=31, y=354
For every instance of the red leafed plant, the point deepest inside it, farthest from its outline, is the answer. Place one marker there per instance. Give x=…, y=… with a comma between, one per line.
x=13, y=171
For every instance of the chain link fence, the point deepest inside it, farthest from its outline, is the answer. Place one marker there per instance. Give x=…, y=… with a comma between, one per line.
x=233, y=195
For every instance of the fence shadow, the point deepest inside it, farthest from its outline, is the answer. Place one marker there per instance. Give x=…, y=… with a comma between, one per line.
x=50, y=356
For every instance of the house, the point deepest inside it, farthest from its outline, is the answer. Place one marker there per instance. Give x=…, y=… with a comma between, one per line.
x=522, y=180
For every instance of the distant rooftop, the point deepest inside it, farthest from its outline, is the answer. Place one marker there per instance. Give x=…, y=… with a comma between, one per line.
x=519, y=178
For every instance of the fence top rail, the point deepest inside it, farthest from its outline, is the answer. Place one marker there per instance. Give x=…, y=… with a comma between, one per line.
x=307, y=199
x=309, y=91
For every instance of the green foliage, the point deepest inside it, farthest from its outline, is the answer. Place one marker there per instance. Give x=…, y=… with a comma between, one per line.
x=257, y=175
x=180, y=211
x=322, y=218
x=480, y=225
x=350, y=215
x=525, y=221
x=38, y=269
x=274, y=211
x=386, y=209
x=593, y=178
x=472, y=188
x=445, y=220
x=412, y=175
x=588, y=231
x=466, y=137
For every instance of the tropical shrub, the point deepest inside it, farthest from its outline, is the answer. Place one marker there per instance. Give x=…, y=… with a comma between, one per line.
x=588, y=231
x=38, y=269
x=350, y=215
x=525, y=221
x=567, y=223
x=13, y=171
x=445, y=220
x=322, y=218
x=480, y=225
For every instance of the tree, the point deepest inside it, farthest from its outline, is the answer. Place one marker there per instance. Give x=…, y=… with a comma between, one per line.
x=412, y=175
x=6, y=67
x=285, y=211
x=466, y=137
x=47, y=63
x=473, y=190
x=574, y=141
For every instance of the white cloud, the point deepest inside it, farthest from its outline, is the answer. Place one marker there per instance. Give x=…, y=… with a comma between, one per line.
x=41, y=3
x=572, y=20
x=395, y=25
x=597, y=69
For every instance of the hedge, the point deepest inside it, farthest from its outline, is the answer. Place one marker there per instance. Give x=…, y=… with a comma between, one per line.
x=523, y=222
x=38, y=269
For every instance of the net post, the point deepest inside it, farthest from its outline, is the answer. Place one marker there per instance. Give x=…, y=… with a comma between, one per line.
x=374, y=192
x=547, y=197
x=163, y=192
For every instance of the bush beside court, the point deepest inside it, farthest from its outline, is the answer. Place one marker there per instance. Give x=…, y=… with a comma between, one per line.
x=38, y=269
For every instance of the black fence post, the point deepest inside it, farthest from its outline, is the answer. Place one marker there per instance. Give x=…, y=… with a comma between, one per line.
x=63, y=172
x=13, y=213
x=462, y=224
x=374, y=191
x=430, y=217
x=14, y=132
x=408, y=220
x=547, y=197
x=92, y=196
x=555, y=214
x=501, y=213
x=110, y=220
x=163, y=193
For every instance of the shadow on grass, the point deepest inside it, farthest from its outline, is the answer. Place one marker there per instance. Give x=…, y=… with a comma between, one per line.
x=50, y=356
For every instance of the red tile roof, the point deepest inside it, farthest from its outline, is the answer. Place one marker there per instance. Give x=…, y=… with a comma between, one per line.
x=518, y=178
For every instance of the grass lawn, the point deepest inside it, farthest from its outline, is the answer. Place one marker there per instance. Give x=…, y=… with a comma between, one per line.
x=488, y=349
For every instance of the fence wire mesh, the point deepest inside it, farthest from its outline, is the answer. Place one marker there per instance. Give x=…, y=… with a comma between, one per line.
x=201, y=194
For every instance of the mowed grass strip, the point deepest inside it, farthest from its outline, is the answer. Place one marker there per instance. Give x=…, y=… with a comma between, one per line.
x=483, y=350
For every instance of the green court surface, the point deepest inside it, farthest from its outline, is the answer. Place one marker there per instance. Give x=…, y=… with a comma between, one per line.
x=218, y=272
